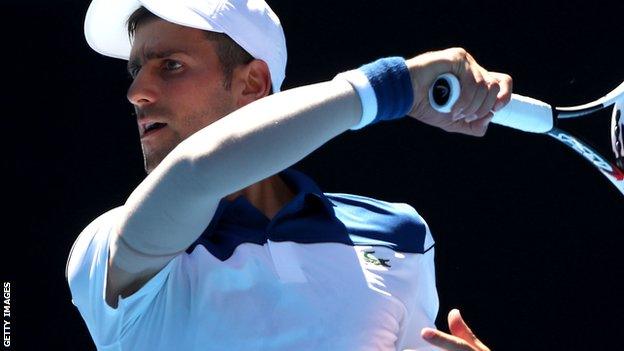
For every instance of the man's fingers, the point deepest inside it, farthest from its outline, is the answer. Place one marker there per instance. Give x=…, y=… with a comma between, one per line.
x=462, y=339
x=489, y=101
x=506, y=87
x=445, y=341
x=480, y=93
x=468, y=91
x=459, y=328
x=475, y=80
x=471, y=82
x=479, y=127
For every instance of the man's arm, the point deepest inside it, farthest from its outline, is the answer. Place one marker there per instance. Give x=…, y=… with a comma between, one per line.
x=176, y=201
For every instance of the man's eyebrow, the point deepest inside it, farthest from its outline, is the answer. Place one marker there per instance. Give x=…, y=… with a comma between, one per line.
x=151, y=55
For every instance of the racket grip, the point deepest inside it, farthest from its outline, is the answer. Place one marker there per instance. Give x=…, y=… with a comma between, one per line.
x=522, y=113
x=526, y=114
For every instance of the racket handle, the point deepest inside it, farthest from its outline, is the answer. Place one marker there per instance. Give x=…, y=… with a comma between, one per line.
x=522, y=113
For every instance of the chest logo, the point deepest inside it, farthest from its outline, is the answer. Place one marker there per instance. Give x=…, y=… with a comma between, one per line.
x=370, y=258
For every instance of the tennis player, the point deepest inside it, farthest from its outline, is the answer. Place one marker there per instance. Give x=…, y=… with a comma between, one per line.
x=223, y=246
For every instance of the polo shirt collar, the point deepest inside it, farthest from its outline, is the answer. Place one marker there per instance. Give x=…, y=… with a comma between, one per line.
x=309, y=217
x=304, y=185
x=308, y=197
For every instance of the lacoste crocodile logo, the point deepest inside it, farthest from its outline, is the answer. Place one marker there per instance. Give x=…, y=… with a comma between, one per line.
x=370, y=258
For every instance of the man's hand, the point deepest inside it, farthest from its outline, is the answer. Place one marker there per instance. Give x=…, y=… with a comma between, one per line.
x=482, y=92
x=462, y=339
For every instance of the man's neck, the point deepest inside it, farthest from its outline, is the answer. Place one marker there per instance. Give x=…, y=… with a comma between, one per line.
x=268, y=195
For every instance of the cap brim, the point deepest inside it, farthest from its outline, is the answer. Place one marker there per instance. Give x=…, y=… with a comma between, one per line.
x=106, y=23
x=105, y=26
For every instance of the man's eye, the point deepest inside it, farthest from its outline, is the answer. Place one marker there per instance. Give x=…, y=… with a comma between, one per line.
x=172, y=65
x=133, y=72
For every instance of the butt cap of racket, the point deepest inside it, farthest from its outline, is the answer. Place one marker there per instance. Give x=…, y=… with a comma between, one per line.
x=444, y=92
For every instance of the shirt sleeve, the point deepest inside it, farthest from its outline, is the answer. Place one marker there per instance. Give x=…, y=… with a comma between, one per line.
x=422, y=303
x=86, y=274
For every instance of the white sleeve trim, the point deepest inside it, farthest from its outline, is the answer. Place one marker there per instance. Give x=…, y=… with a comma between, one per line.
x=365, y=90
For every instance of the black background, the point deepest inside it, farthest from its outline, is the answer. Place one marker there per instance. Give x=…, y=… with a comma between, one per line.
x=528, y=237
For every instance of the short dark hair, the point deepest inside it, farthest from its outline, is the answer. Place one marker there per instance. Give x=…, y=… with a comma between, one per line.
x=229, y=52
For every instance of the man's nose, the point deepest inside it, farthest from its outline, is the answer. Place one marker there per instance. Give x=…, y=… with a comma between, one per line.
x=143, y=90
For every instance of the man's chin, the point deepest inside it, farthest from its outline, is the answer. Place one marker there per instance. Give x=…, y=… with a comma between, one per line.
x=150, y=162
x=148, y=168
x=153, y=155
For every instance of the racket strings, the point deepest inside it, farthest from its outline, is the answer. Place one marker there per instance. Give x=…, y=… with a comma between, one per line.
x=616, y=138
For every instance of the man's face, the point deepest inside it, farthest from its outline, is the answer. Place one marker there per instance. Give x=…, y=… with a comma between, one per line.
x=178, y=84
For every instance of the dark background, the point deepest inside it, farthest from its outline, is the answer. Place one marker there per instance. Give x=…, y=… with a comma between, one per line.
x=528, y=238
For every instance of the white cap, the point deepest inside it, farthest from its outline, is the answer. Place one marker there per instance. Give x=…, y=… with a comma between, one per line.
x=250, y=23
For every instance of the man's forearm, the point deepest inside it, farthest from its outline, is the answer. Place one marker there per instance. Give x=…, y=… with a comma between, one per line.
x=268, y=136
x=176, y=201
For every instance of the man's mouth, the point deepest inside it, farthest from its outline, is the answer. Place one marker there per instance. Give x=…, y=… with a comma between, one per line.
x=152, y=128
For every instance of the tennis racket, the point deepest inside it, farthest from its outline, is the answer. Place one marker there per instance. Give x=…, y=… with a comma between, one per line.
x=534, y=116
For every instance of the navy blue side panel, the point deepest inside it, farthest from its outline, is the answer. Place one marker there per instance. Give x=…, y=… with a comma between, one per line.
x=379, y=223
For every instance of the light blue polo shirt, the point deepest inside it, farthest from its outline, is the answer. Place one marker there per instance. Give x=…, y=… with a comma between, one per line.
x=329, y=272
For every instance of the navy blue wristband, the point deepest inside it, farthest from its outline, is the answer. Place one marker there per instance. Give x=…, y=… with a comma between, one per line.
x=392, y=84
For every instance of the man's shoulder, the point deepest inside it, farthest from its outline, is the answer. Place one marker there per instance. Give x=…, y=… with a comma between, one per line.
x=372, y=221
x=88, y=234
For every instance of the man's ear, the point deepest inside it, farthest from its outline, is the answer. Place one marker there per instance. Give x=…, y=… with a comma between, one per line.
x=251, y=81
